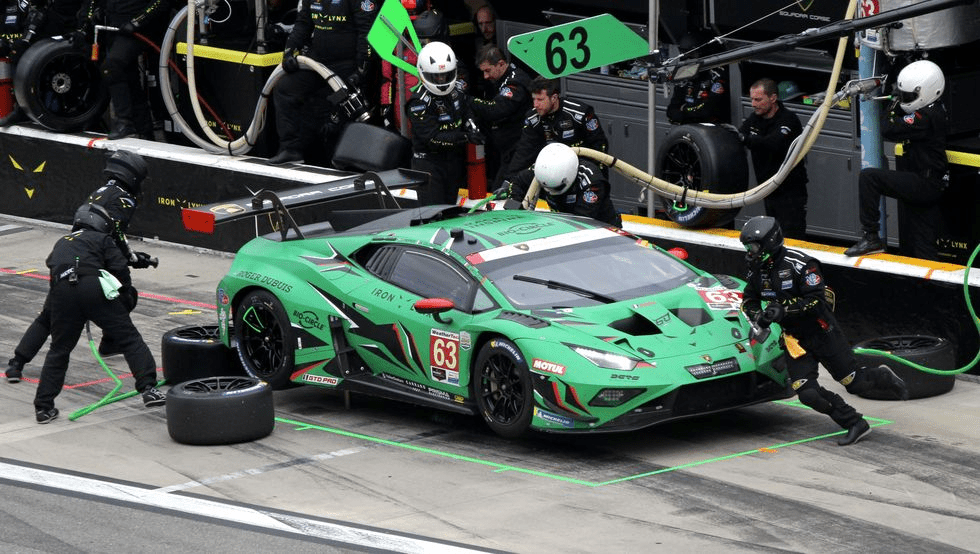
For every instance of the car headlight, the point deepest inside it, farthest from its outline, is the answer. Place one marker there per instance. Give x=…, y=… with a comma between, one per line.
x=607, y=360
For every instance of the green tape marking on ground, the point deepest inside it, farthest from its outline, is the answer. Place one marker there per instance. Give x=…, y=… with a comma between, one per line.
x=498, y=467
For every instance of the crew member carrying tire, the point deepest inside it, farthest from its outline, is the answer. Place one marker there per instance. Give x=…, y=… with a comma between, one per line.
x=792, y=285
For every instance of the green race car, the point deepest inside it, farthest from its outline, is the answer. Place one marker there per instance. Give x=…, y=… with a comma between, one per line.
x=532, y=320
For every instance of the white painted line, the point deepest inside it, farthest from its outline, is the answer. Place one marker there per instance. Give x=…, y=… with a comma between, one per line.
x=226, y=512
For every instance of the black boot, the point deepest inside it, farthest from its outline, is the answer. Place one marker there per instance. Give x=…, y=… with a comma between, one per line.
x=857, y=432
x=869, y=244
x=285, y=156
x=15, y=370
x=122, y=128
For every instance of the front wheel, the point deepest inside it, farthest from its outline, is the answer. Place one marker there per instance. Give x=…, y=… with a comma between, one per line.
x=264, y=338
x=502, y=388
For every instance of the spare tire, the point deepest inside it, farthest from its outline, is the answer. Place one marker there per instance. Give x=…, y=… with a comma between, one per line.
x=932, y=352
x=195, y=352
x=702, y=157
x=59, y=86
x=220, y=410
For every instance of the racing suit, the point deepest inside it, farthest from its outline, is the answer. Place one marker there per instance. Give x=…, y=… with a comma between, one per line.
x=919, y=185
x=503, y=117
x=769, y=140
x=795, y=281
x=76, y=296
x=334, y=33
x=573, y=123
x=439, y=139
x=120, y=205
x=704, y=99
x=588, y=195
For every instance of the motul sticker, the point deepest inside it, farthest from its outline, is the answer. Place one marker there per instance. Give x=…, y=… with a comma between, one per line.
x=444, y=356
x=547, y=367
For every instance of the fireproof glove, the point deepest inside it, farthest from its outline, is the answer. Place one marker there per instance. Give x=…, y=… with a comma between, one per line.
x=289, y=62
x=773, y=313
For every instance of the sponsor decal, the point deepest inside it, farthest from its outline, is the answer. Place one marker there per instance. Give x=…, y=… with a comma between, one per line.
x=718, y=88
x=553, y=418
x=321, y=380
x=265, y=280
x=721, y=298
x=30, y=188
x=590, y=197
x=592, y=124
x=624, y=376
x=523, y=229
x=227, y=209
x=495, y=343
x=465, y=342
x=798, y=384
x=308, y=319
x=812, y=279
x=223, y=299
x=538, y=364
x=383, y=294
x=786, y=285
x=444, y=356
x=784, y=273
x=506, y=92
x=367, y=6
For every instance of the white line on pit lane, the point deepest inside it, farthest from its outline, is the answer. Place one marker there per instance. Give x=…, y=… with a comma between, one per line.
x=259, y=470
x=224, y=512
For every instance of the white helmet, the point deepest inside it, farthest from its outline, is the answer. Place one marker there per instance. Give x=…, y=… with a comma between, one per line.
x=920, y=83
x=556, y=167
x=437, y=68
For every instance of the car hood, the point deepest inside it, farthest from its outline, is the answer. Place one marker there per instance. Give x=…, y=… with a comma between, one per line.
x=668, y=324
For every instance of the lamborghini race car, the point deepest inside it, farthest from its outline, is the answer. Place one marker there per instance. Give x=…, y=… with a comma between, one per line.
x=532, y=320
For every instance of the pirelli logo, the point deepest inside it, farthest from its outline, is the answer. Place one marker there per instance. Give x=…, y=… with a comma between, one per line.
x=547, y=367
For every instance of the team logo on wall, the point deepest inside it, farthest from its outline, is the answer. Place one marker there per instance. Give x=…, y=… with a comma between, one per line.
x=30, y=188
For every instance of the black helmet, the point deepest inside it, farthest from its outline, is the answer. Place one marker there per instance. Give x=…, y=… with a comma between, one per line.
x=762, y=238
x=92, y=216
x=128, y=167
x=431, y=25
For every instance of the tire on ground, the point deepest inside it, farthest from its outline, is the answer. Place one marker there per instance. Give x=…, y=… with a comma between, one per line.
x=929, y=351
x=194, y=352
x=59, y=86
x=220, y=410
x=705, y=158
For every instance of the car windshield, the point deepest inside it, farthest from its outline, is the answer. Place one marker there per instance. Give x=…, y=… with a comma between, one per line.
x=614, y=268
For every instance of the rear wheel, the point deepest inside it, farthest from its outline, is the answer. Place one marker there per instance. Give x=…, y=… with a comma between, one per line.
x=265, y=338
x=502, y=388
x=703, y=158
x=59, y=86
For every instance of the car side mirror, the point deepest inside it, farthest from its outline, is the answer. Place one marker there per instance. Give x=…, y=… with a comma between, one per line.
x=436, y=307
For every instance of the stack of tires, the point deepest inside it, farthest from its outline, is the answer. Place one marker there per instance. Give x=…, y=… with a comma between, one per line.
x=212, y=400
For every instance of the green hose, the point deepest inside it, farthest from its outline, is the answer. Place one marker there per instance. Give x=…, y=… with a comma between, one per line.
x=973, y=315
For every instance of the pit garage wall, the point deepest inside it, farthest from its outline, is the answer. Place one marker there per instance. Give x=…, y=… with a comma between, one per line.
x=47, y=176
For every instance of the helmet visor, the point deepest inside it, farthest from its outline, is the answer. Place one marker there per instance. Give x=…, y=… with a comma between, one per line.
x=443, y=78
x=907, y=97
x=753, y=250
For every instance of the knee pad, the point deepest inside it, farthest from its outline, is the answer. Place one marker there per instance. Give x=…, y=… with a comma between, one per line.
x=810, y=395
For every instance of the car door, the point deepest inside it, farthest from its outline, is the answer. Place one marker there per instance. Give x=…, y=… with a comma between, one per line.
x=434, y=349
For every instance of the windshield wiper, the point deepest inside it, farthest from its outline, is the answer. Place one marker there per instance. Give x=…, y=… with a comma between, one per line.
x=566, y=287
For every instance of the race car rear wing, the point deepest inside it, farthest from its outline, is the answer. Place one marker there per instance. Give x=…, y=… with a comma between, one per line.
x=386, y=186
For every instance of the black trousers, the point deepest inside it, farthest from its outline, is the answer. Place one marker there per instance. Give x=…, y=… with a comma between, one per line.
x=787, y=205
x=832, y=350
x=916, y=192
x=121, y=74
x=35, y=336
x=71, y=306
x=301, y=106
x=447, y=174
